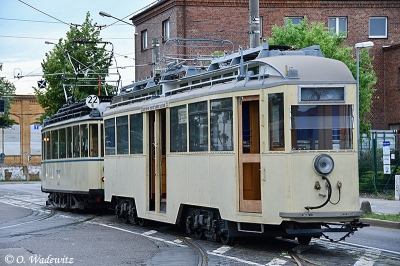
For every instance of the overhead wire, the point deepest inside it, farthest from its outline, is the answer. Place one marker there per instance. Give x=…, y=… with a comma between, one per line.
x=28, y=20
x=63, y=22
x=69, y=24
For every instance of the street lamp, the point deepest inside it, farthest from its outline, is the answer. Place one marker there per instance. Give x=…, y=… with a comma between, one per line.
x=357, y=46
x=104, y=14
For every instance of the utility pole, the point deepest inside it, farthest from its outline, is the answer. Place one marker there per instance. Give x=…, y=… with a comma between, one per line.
x=254, y=23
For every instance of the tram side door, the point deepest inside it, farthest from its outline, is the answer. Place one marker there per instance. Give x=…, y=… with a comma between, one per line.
x=157, y=164
x=249, y=154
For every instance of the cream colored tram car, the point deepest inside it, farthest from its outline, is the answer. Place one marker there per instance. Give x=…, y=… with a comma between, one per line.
x=272, y=151
x=72, y=156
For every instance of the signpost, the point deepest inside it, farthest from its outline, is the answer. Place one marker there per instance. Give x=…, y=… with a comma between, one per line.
x=386, y=157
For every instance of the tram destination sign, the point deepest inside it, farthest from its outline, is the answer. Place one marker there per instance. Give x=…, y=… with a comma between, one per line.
x=155, y=107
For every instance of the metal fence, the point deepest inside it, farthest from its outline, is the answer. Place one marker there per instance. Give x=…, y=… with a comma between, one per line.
x=379, y=162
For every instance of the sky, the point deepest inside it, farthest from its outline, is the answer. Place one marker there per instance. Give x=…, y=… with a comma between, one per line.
x=25, y=26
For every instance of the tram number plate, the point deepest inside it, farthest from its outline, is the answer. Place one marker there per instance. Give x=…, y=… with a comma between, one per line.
x=92, y=101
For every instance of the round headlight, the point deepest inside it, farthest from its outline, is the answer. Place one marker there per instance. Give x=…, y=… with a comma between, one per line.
x=323, y=164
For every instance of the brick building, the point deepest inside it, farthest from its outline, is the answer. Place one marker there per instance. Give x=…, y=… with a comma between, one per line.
x=22, y=139
x=377, y=21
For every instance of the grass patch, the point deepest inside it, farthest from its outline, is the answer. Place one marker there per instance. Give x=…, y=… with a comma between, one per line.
x=387, y=217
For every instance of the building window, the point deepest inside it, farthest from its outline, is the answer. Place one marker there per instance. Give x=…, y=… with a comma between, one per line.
x=198, y=126
x=35, y=139
x=294, y=20
x=178, y=129
x=338, y=25
x=398, y=78
x=165, y=29
x=144, y=40
x=378, y=27
x=221, y=130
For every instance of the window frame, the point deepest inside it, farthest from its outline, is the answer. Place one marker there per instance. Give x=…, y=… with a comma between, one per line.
x=166, y=30
x=109, y=127
x=136, y=134
x=200, y=144
x=291, y=19
x=378, y=36
x=337, y=25
x=182, y=118
x=144, y=39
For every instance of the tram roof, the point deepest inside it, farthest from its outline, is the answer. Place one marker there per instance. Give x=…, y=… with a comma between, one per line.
x=288, y=69
x=75, y=115
x=311, y=68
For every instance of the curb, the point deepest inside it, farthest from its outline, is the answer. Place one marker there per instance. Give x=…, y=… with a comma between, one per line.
x=381, y=223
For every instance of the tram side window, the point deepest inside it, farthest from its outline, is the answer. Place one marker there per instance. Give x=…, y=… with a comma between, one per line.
x=46, y=145
x=109, y=126
x=62, y=143
x=94, y=140
x=43, y=146
x=54, y=144
x=276, y=125
x=76, y=141
x=136, y=133
x=178, y=129
x=221, y=131
x=122, y=135
x=198, y=126
x=69, y=142
x=84, y=140
x=321, y=127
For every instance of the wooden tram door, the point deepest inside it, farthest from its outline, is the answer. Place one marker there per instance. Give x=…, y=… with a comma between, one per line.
x=249, y=154
x=157, y=164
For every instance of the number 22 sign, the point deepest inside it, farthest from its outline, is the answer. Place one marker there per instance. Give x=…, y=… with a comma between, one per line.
x=92, y=101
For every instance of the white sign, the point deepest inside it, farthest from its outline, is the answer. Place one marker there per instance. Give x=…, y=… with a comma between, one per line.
x=155, y=107
x=92, y=101
x=182, y=116
x=386, y=169
x=386, y=157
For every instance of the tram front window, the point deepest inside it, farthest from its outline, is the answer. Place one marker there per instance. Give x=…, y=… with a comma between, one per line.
x=321, y=127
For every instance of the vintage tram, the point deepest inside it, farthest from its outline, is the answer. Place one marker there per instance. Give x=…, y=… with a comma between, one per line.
x=72, y=155
x=263, y=142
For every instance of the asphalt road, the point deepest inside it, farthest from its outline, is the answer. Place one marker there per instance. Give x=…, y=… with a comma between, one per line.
x=31, y=234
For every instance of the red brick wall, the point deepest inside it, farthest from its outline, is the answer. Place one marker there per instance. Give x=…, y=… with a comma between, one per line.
x=229, y=19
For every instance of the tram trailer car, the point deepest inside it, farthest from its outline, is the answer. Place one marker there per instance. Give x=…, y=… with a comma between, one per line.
x=263, y=143
x=72, y=155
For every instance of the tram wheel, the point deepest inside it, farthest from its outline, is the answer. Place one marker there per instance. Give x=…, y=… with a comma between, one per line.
x=199, y=234
x=304, y=240
x=226, y=240
x=142, y=222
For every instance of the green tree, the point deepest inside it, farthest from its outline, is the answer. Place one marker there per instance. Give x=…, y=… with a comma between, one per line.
x=332, y=46
x=73, y=67
x=7, y=91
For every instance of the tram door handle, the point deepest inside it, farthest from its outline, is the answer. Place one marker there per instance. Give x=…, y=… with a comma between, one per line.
x=263, y=173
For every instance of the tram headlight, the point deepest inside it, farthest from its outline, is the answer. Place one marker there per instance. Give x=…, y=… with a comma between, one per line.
x=323, y=164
